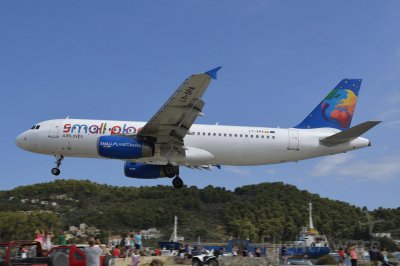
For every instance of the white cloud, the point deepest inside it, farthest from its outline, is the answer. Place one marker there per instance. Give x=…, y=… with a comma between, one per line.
x=390, y=113
x=270, y=171
x=395, y=98
x=329, y=164
x=393, y=124
x=390, y=118
x=346, y=166
x=258, y=7
x=238, y=171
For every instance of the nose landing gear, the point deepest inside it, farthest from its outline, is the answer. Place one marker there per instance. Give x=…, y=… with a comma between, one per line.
x=56, y=170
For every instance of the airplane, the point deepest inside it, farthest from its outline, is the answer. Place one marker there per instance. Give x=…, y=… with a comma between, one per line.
x=170, y=139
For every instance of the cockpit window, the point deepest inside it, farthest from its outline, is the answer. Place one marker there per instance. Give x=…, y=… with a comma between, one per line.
x=33, y=127
x=37, y=127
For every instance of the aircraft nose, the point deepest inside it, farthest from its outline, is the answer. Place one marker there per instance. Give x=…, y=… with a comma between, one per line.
x=22, y=141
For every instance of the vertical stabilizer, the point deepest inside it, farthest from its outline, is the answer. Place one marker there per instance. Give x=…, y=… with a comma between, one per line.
x=337, y=109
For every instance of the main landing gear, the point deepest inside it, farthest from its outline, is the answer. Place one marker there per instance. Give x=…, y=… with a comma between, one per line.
x=173, y=171
x=177, y=182
x=56, y=170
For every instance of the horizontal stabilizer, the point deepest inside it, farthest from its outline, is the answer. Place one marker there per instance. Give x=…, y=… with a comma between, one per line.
x=348, y=135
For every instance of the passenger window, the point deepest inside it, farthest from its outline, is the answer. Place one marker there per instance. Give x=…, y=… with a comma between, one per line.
x=246, y=136
x=251, y=136
x=257, y=136
x=241, y=135
x=209, y=134
x=214, y=134
x=198, y=133
x=262, y=136
x=273, y=137
x=219, y=134
x=224, y=135
x=267, y=137
x=204, y=133
x=230, y=135
x=235, y=135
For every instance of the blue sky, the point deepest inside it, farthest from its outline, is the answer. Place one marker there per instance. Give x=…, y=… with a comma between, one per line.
x=122, y=59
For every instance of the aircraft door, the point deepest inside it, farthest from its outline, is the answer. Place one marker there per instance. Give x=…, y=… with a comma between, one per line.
x=55, y=128
x=293, y=143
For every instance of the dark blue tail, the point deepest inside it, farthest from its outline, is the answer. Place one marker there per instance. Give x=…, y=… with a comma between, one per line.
x=337, y=109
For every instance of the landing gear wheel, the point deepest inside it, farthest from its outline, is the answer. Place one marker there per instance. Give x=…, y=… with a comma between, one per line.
x=177, y=182
x=169, y=170
x=55, y=171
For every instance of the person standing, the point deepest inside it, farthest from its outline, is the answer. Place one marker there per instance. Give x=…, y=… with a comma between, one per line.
x=189, y=251
x=61, y=238
x=283, y=255
x=135, y=258
x=257, y=252
x=47, y=244
x=92, y=254
x=116, y=253
x=39, y=236
x=138, y=240
x=234, y=251
x=353, y=256
x=373, y=256
x=385, y=259
x=341, y=254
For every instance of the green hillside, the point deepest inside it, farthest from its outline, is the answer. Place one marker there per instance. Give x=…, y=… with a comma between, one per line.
x=266, y=210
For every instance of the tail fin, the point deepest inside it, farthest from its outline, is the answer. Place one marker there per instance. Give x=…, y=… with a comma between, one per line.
x=336, y=110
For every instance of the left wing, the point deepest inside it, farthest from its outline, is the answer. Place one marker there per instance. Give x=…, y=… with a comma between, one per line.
x=349, y=134
x=167, y=128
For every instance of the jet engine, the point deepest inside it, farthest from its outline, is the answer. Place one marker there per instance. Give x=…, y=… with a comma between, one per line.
x=148, y=171
x=123, y=147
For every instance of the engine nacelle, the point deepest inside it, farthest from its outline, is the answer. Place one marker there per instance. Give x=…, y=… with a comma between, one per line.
x=123, y=147
x=148, y=171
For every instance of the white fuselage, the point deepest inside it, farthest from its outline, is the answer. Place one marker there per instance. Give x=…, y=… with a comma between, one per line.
x=225, y=145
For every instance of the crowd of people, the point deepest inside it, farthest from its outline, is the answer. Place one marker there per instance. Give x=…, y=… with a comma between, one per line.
x=130, y=246
x=377, y=256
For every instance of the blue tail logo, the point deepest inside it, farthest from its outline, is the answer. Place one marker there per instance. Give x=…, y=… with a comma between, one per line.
x=337, y=109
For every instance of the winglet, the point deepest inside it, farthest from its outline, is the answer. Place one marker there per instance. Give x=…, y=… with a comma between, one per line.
x=213, y=72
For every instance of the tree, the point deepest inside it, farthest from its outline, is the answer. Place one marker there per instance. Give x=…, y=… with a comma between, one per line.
x=16, y=225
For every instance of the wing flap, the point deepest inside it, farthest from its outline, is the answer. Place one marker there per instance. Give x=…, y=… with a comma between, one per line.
x=349, y=134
